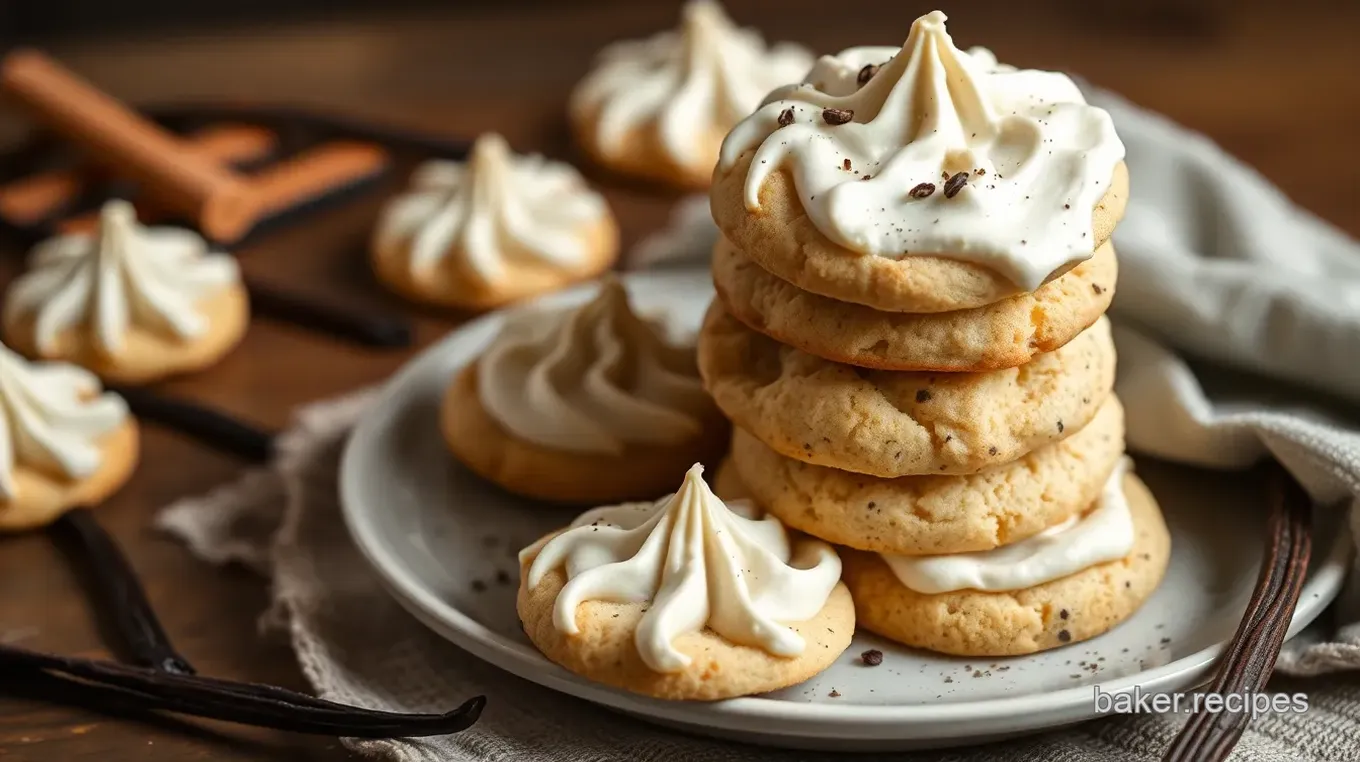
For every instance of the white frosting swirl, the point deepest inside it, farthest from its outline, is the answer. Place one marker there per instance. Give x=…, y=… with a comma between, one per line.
x=699, y=563
x=121, y=276
x=1038, y=158
x=709, y=74
x=52, y=419
x=593, y=379
x=496, y=208
x=1104, y=534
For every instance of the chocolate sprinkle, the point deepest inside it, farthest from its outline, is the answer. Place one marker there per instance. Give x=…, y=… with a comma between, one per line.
x=922, y=190
x=846, y=165
x=954, y=184
x=872, y=658
x=837, y=116
x=866, y=74
x=1064, y=635
x=834, y=693
x=786, y=117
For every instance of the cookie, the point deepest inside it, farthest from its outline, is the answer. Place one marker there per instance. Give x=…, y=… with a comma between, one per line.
x=972, y=623
x=659, y=108
x=658, y=601
x=932, y=515
x=42, y=497
x=146, y=354
x=896, y=423
x=604, y=651
x=559, y=476
x=727, y=482
x=496, y=229
x=1006, y=334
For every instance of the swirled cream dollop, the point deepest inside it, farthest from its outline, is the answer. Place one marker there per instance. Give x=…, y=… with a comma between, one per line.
x=698, y=562
x=495, y=210
x=592, y=379
x=1103, y=534
x=930, y=150
x=684, y=84
x=122, y=276
x=52, y=419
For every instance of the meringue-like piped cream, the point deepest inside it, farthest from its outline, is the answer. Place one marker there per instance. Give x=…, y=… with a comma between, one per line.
x=684, y=84
x=698, y=562
x=1103, y=534
x=494, y=210
x=929, y=150
x=53, y=419
x=592, y=379
x=122, y=276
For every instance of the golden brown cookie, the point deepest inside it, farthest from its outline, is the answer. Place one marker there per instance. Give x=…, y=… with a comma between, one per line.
x=895, y=423
x=640, y=153
x=783, y=240
x=972, y=623
x=1001, y=335
x=930, y=515
x=453, y=284
x=604, y=650
x=41, y=497
x=146, y=356
x=532, y=470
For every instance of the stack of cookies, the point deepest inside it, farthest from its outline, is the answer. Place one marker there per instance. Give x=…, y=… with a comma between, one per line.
x=914, y=263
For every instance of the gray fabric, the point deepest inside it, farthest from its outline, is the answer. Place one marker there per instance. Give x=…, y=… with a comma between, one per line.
x=1213, y=263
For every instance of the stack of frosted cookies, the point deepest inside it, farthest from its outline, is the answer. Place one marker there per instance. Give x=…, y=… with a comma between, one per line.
x=914, y=264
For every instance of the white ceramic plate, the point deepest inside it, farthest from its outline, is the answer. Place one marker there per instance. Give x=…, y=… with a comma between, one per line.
x=444, y=542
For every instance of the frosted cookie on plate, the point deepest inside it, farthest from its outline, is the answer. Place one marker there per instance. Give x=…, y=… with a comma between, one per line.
x=64, y=442
x=584, y=405
x=893, y=423
x=921, y=179
x=929, y=515
x=1068, y=584
x=685, y=598
x=492, y=230
x=133, y=304
x=659, y=108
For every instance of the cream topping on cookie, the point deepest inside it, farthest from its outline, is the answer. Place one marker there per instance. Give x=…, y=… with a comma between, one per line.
x=698, y=562
x=123, y=275
x=1103, y=534
x=931, y=150
x=592, y=379
x=52, y=418
x=494, y=209
x=709, y=73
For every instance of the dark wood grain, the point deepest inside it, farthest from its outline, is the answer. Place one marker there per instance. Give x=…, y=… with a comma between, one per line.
x=1277, y=89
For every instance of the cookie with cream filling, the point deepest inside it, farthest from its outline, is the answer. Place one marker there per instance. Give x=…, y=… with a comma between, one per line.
x=133, y=304
x=495, y=229
x=584, y=405
x=685, y=598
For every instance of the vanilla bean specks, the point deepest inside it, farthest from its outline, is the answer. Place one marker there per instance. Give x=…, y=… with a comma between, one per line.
x=837, y=116
x=922, y=190
x=786, y=117
x=954, y=184
x=866, y=74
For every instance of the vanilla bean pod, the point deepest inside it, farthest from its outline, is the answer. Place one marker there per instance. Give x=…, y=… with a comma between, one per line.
x=211, y=427
x=352, y=324
x=141, y=689
x=117, y=592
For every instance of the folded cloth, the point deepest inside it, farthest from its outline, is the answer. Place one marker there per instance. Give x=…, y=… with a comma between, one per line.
x=1214, y=265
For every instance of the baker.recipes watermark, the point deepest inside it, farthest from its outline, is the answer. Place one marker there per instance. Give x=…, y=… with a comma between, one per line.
x=1138, y=701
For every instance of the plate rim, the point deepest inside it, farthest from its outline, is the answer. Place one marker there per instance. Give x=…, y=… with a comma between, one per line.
x=900, y=721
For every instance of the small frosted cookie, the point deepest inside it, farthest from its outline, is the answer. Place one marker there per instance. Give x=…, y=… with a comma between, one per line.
x=131, y=303
x=659, y=108
x=685, y=598
x=921, y=179
x=916, y=515
x=1006, y=334
x=493, y=230
x=1051, y=590
x=64, y=443
x=895, y=423
x=587, y=405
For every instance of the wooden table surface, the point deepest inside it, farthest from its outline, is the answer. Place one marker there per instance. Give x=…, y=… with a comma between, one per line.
x=1275, y=88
